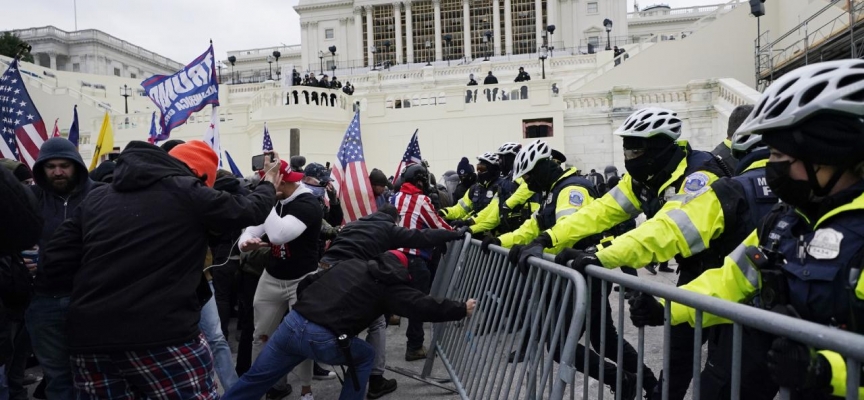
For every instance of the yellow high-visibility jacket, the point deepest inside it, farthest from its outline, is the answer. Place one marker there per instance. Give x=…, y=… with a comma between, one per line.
x=488, y=219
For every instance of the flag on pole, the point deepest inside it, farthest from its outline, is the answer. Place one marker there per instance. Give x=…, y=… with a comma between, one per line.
x=73, y=130
x=268, y=144
x=411, y=156
x=56, y=132
x=234, y=169
x=21, y=126
x=155, y=131
x=350, y=178
x=211, y=137
x=105, y=144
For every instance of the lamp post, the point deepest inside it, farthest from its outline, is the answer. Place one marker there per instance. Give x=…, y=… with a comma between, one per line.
x=321, y=59
x=544, y=50
x=374, y=51
x=232, y=60
x=387, y=54
x=332, y=50
x=428, y=49
x=487, y=38
x=219, y=66
x=448, y=38
x=276, y=55
x=607, y=23
x=126, y=91
x=270, y=67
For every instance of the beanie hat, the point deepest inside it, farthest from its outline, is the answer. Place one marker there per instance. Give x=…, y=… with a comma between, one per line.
x=464, y=167
x=288, y=174
x=20, y=170
x=403, y=259
x=200, y=158
x=377, y=178
x=738, y=116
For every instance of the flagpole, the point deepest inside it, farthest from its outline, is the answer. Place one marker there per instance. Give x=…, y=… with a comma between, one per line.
x=75, y=6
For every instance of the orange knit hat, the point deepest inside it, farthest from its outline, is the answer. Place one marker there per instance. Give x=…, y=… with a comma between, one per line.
x=199, y=157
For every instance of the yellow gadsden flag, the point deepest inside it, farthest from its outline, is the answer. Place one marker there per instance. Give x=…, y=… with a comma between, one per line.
x=105, y=144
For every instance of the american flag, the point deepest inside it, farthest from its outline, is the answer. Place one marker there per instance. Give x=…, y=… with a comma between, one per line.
x=350, y=178
x=56, y=131
x=411, y=156
x=22, y=127
x=268, y=144
x=73, y=131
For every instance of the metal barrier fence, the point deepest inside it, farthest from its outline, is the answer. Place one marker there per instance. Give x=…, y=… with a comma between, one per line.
x=534, y=317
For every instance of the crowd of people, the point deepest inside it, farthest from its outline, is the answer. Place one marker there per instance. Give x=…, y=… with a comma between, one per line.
x=324, y=82
x=123, y=280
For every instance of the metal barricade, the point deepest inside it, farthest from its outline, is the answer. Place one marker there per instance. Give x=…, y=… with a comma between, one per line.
x=535, y=317
x=822, y=337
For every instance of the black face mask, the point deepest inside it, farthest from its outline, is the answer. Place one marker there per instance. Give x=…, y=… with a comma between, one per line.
x=544, y=174
x=651, y=162
x=639, y=168
x=791, y=191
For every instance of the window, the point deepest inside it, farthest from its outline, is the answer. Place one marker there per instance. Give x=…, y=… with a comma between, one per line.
x=594, y=40
x=116, y=71
x=537, y=128
x=133, y=76
x=592, y=8
x=328, y=34
x=76, y=67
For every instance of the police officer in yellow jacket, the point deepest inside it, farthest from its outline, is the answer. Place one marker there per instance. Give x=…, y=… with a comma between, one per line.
x=565, y=193
x=513, y=203
x=661, y=175
x=479, y=195
x=809, y=250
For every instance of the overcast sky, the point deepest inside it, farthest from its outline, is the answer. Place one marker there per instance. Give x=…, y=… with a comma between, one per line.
x=180, y=29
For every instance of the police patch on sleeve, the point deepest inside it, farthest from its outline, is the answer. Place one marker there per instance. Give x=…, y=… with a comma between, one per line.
x=696, y=183
x=576, y=198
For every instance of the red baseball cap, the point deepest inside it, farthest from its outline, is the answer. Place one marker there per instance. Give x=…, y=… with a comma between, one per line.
x=288, y=175
x=403, y=259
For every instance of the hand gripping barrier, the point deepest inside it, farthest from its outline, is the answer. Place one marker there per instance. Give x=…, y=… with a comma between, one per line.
x=535, y=317
x=848, y=344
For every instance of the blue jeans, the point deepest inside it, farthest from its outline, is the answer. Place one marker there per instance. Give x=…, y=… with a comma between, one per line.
x=211, y=327
x=298, y=339
x=46, y=322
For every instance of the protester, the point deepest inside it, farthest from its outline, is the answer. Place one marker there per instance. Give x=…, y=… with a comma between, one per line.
x=467, y=177
x=334, y=307
x=379, y=187
x=132, y=319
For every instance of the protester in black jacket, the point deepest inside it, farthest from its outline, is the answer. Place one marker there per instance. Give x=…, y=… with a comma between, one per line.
x=133, y=252
x=343, y=301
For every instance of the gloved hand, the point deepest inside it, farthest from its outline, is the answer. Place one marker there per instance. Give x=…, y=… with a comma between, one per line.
x=462, y=231
x=581, y=259
x=533, y=249
x=458, y=224
x=798, y=366
x=488, y=241
x=645, y=310
x=442, y=213
x=442, y=248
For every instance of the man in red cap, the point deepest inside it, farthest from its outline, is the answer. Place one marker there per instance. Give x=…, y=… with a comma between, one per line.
x=132, y=253
x=291, y=232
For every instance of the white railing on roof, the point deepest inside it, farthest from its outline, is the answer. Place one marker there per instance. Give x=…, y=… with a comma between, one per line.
x=660, y=12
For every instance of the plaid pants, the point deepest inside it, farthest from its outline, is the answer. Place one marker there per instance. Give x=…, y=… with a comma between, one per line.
x=174, y=372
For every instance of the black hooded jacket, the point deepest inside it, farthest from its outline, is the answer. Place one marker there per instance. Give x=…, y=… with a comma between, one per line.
x=348, y=298
x=56, y=208
x=132, y=252
x=376, y=233
x=222, y=244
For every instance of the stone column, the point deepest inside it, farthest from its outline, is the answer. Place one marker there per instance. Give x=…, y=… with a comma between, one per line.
x=304, y=55
x=466, y=28
x=574, y=26
x=358, y=35
x=397, y=16
x=314, y=45
x=508, y=28
x=496, y=27
x=370, y=39
x=538, y=23
x=409, y=32
x=437, y=11
x=53, y=60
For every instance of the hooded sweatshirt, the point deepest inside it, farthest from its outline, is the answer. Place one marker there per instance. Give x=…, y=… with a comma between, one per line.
x=56, y=208
x=132, y=252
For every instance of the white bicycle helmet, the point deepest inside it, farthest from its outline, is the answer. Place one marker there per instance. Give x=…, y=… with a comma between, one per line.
x=509, y=148
x=528, y=157
x=490, y=158
x=650, y=122
x=837, y=86
x=746, y=142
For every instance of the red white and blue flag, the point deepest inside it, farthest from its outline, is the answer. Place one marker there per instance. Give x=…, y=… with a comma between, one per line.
x=21, y=126
x=350, y=178
x=411, y=156
x=268, y=144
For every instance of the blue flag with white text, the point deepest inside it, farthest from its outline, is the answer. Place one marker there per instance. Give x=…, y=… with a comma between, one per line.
x=186, y=92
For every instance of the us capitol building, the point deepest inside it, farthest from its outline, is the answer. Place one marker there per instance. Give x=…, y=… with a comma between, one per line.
x=409, y=62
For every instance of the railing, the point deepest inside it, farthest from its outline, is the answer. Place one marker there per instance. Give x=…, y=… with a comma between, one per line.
x=266, y=51
x=602, y=69
x=99, y=36
x=36, y=81
x=659, y=12
x=736, y=93
x=301, y=96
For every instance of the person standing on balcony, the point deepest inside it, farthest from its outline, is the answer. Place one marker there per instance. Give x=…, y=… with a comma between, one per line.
x=523, y=76
x=471, y=81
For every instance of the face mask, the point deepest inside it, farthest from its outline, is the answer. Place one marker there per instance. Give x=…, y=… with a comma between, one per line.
x=791, y=191
x=639, y=168
x=317, y=191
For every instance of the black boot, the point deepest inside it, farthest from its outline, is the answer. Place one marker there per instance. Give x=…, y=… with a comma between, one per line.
x=379, y=386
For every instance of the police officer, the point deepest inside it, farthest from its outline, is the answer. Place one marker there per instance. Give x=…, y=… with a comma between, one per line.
x=479, y=195
x=812, y=244
x=661, y=174
x=513, y=204
x=566, y=193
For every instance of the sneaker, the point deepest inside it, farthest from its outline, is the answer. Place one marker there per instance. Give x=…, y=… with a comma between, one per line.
x=629, y=391
x=650, y=268
x=665, y=268
x=379, y=386
x=276, y=394
x=307, y=396
x=414, y=355
x=322, y=374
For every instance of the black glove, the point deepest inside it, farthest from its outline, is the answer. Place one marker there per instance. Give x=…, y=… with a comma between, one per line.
x=488, y=241
x=462, y=231
x=458, y=224
x=442, y=213
x=797, y=366
x=580, y=258
x=645, y=310
x=442, y=248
